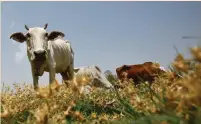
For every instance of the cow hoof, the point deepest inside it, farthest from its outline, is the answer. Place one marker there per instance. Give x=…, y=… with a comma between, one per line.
x=66, y=83
x=36, y=88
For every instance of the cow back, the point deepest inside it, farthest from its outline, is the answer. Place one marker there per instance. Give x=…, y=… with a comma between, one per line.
x=61, y=54
x=140, y=72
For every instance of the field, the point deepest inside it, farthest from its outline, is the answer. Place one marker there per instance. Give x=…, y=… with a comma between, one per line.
x=167, y=101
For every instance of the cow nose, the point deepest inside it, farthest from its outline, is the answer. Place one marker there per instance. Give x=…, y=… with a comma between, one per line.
x=39, y=52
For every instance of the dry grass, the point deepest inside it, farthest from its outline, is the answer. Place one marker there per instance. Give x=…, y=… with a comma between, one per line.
x=165, y=101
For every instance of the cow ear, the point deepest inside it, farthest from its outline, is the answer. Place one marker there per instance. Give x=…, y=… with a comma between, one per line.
x=18, y=36
x=76, y=70
x=126, y=66
x=55, y=34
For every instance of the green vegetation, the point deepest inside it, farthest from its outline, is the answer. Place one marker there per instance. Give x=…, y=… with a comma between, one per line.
x=168, y=100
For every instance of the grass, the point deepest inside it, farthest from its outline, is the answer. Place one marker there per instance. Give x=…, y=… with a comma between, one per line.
x=166, y=101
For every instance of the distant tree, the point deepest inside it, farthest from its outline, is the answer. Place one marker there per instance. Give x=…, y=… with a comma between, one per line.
x=110, y=76
x=108, y=72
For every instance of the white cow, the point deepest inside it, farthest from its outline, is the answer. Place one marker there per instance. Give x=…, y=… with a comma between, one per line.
x=47, y=52
x=94, y=72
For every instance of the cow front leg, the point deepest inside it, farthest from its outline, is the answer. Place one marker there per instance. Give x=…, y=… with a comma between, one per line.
x=51, y=75
x=51, y=78
x=35, y=78
x=51, y=66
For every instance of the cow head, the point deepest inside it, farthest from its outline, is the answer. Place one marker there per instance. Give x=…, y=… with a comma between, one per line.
x=121, y=71
x=37, y=41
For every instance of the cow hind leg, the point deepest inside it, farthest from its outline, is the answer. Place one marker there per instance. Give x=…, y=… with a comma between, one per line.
x=71, y=72
x=68, y=75
x=65, y=77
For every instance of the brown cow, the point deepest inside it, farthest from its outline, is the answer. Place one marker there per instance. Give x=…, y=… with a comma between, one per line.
x=140, y=72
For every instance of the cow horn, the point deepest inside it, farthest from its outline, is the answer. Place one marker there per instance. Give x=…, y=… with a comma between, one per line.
x=45, y=26
x=26, y=27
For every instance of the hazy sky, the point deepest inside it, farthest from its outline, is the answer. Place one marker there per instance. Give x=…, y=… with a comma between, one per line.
x=108, y=34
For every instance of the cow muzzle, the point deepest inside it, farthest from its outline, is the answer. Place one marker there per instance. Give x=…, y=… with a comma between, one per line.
x=40, y=55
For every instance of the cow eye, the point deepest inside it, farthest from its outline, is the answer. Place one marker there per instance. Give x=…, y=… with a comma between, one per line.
x=28, y=35
x=46, y=34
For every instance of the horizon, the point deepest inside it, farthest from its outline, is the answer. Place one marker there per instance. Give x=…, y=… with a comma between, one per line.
x=106, y=34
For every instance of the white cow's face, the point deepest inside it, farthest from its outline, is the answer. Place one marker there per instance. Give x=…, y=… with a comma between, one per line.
x=37, y=41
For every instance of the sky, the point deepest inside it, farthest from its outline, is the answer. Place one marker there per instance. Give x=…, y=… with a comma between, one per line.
x=107, y=34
